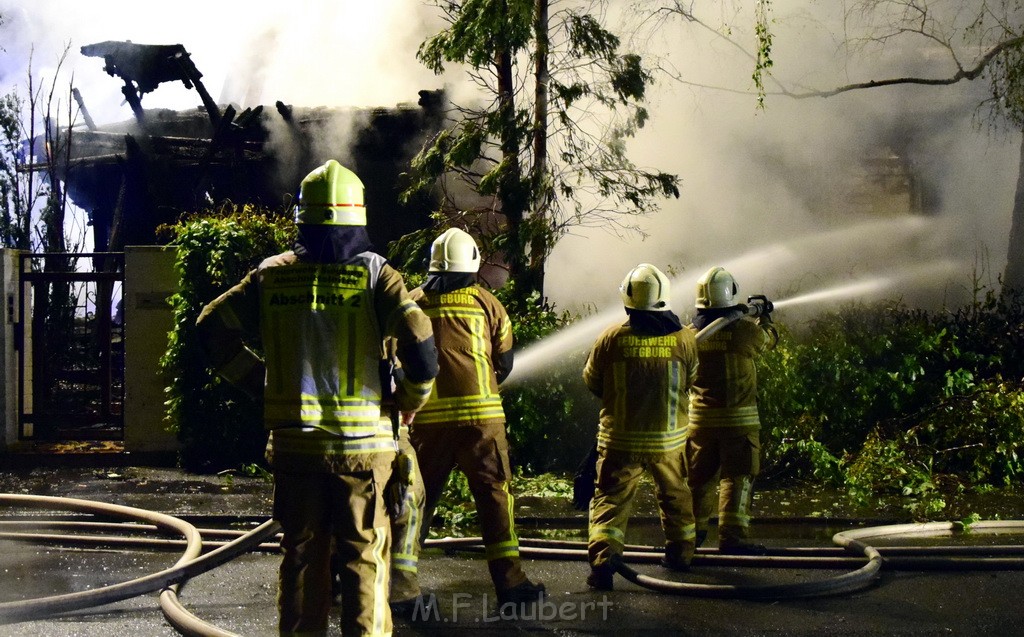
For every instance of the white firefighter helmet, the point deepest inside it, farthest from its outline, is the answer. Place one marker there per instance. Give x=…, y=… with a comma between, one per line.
x=645, y=288
x=716, y=288
x=454, y=251
x=331, y=195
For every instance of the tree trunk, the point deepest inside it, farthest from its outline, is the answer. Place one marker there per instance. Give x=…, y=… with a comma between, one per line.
x=511, y=190
x=1013, y=277
x=541, y=191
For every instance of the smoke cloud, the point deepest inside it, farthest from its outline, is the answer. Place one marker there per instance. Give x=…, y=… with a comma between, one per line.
x=776, y=195
x=780, y=195
x=304, y=52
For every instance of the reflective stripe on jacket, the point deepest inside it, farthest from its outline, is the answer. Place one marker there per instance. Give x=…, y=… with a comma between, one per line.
x=642, y=382
x=725, y=391
x=322, y=327
x=471, y=329
x=323, y=344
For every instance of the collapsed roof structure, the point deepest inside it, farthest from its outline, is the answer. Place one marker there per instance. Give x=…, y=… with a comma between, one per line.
x=131, y=177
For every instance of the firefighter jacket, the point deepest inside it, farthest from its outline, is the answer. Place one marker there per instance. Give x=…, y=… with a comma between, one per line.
x=642, y=382
x=473, y=334
x=725, y=391
x=322, y=328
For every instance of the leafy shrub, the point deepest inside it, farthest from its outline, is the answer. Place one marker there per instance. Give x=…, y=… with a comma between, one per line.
x=455, y=514
x=544, y=418
x=889, y=400
x=218, y=426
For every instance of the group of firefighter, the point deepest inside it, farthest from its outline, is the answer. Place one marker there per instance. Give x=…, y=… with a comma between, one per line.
x=372, y=394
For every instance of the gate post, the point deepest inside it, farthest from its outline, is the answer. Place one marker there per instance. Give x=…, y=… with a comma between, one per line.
x=8, y=352
x=149, y=281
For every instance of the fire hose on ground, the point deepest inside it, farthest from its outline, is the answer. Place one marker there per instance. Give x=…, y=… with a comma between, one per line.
x=851, y=544
x=189, y=565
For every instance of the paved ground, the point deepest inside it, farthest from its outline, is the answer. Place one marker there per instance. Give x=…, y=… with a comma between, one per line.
x=239, y=596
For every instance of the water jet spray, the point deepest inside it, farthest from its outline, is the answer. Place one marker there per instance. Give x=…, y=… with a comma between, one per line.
x=554, y=349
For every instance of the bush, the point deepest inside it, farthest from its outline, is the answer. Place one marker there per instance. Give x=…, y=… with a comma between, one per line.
x=544, y=417
x=883, y=399
x=218, y=426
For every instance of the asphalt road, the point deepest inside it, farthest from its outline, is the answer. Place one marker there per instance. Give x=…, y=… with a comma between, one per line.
x=239, y=596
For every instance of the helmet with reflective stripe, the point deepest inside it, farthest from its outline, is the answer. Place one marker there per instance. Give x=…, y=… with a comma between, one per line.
x=716, y=288
x=645, y=288
x=331, y=195
x=454, y=251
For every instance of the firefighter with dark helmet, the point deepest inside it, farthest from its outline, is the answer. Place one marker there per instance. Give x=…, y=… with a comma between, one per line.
x=641, y=370
x=463, y=423
x=322, y=312
x=723, y=445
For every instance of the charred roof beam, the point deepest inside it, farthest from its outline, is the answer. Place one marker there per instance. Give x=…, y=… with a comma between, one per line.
x=143, y=67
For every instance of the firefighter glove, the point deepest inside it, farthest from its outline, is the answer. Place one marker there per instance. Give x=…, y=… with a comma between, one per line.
x=402, y=475
x=584, y=482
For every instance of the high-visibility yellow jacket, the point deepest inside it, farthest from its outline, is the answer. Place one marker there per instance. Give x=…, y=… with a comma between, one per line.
x=322, y=328
x=642, y=382
x=472, y=331
x=725, y=391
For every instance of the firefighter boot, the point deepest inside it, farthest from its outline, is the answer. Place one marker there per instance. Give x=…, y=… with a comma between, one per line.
x=677, y=556
x=601, y=577
x=702, y=534
x=742, y=548
x=525, y=593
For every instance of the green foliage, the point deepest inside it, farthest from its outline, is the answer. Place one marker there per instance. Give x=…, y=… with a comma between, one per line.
x=455, y=514
x=542, y=414
x=763, y=58
x=15, y=188
x=218, y=426
x=545, y=485
x=886, y=400
x=545, y=148
x=481, y=28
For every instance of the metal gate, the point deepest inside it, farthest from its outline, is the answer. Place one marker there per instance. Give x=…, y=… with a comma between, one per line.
x=71, y=347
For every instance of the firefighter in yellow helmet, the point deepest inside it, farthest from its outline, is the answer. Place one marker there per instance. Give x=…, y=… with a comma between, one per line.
x=322, y=312
x=463, y=423
x=641, y=370
x=723, y=446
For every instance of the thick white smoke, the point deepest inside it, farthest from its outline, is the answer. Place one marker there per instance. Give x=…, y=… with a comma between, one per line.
x=303, y=52
x=756, y=185
x=757, y=182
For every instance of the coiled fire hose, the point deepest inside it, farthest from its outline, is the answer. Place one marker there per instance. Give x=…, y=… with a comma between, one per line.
x=188, y=565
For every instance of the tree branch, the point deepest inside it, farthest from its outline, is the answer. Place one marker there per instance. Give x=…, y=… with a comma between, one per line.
x=961, y=74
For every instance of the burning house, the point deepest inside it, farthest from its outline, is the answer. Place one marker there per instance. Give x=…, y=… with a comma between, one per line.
x=68, y=363
x=130, y=177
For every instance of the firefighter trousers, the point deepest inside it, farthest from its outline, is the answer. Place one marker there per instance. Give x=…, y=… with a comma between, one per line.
x=405, y=532
x=618, y=476
x=727, y=458
x=348, y=507
x=481, y=452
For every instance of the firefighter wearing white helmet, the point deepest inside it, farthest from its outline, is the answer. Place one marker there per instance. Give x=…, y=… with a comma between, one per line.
x=454, y=251
x=716, y=289
x=723, y=442
x=641, y=370
x=463, y=423
x=323, y=311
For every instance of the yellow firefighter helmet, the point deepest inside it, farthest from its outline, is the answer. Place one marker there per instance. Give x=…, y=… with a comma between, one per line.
x=454, y=251
x=717, y=288
x=645, y=288
x=331, y=195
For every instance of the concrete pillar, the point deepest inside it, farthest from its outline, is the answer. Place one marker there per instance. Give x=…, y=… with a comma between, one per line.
x=149, y=281
x=8, y=354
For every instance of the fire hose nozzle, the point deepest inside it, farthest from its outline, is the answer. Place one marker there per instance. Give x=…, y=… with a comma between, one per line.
x=759, y=305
